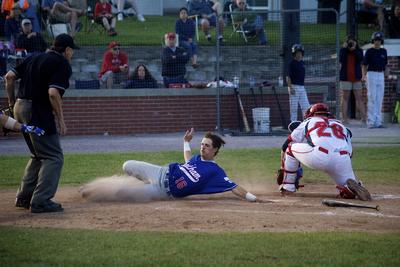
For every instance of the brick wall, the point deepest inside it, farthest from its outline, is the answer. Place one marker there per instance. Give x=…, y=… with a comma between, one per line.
x=92, y=112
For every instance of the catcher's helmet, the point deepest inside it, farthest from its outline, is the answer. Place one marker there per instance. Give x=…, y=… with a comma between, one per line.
x=318, y=109
x=377, y=36
x=297, y=47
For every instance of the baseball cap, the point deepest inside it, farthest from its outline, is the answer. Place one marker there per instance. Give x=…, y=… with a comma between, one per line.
x=113, y=44
x=64, y=40
x=171, y=35
x=26, y=21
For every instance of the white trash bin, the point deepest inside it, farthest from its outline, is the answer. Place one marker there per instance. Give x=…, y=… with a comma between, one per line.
x=261, y=120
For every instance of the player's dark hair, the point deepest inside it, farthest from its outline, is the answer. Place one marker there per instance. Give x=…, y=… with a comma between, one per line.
x=58, y=49
x=183, y=8
x=217, y=141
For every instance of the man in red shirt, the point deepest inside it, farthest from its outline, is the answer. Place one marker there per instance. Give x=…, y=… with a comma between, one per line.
x=115, y=66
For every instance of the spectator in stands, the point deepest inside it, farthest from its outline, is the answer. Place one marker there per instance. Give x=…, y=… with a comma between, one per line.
x=103, y=16
x=186, y=30
x=128, y=4
x=12, y=25
x=253, y=24
x=141, y=78
x=393, y=22
x=28, y=10
x=115, y=67
x=60, y=10
x=350, y=58
x=208, y=12
x=174, y=61
x=32, y=42
x=373, y=9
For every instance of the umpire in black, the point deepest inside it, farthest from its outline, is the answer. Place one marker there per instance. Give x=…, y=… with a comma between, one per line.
x=43, y=81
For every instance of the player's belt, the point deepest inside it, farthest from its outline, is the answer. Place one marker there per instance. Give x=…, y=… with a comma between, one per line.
x=326, y=151
x=166, y=184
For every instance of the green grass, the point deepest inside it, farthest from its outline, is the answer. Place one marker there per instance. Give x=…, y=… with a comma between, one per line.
x=133, y=33
x=51, y=247
x=372, y=165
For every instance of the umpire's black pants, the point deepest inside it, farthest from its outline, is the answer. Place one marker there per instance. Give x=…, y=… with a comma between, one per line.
x=42, y=173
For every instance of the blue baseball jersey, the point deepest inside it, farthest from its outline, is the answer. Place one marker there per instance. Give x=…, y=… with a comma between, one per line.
x=297, y=72
x=376, y=59
x=198, y=176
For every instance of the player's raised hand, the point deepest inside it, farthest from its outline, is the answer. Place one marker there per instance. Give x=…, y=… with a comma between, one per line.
x=188, y=135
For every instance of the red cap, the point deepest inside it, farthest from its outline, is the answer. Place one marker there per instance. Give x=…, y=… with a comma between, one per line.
x=171, y=35
x=112, y=44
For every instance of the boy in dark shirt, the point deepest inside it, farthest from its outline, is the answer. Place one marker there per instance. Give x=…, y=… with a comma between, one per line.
x=373, y=72
x=295, y=81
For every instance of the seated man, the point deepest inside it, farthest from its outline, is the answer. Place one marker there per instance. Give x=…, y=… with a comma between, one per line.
x=61, y=11
x=371, y=12
x=174, y=61
x=253, y=24
x=12, y=25
x=32, y=42
x=186, y=30
x=103, y=16
x=208, y=13
x=115, y=66
x=321, y=143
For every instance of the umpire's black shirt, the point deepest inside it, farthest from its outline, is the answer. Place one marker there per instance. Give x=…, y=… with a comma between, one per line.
x=38, y=74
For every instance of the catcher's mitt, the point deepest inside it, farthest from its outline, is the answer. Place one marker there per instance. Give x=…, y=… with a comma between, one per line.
x=279, y=176
x=9, y=112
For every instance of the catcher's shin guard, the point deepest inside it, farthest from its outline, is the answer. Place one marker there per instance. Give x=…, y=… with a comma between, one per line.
x=360, y=191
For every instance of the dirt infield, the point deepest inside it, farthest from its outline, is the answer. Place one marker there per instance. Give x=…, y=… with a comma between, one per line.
x=215, y=213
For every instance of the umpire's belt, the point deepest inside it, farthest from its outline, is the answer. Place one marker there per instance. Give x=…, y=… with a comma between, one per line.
x=326, y=151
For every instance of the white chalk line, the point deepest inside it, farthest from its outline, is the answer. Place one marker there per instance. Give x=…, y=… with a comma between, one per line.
x=378, y=197
x=323, y=213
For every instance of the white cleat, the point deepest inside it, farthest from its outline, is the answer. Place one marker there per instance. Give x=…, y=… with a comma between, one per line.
x=120, y=17
x=141, y=18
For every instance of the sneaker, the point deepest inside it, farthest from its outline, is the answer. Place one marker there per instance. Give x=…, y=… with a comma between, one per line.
x=380, y=126
x=120, y=17
x=360, y=191
x=22, y=203
x=141, y=18
x=208, y=36
x=49, y=206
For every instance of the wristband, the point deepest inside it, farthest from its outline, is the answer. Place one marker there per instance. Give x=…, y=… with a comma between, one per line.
x=10, y=123
x=186, y=146
x=250, y=197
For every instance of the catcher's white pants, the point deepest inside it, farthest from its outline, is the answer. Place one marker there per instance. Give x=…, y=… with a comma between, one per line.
x=300, y=98
x=337, y=164
x=153, y=175
x=376, y=90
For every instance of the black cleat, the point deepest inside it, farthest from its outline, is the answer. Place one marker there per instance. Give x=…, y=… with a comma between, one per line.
x=48, y=206
x=360, y=191
x=22, y=203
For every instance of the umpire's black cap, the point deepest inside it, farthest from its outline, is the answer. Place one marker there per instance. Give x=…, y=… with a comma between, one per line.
x=64, y=40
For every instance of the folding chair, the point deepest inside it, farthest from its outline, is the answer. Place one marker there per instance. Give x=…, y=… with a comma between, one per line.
x=91, y=23
x=196, y=20
x=53, y=26
x=237, y=26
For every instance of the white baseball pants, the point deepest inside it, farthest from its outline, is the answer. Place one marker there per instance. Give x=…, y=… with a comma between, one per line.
x=337, y=164
x=299, y=98
x=153, y=175
x=376, y=90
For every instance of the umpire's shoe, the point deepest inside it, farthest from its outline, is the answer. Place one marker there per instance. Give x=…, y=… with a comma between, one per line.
x=22, y=203
x=48, y=206
x=360, y=191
